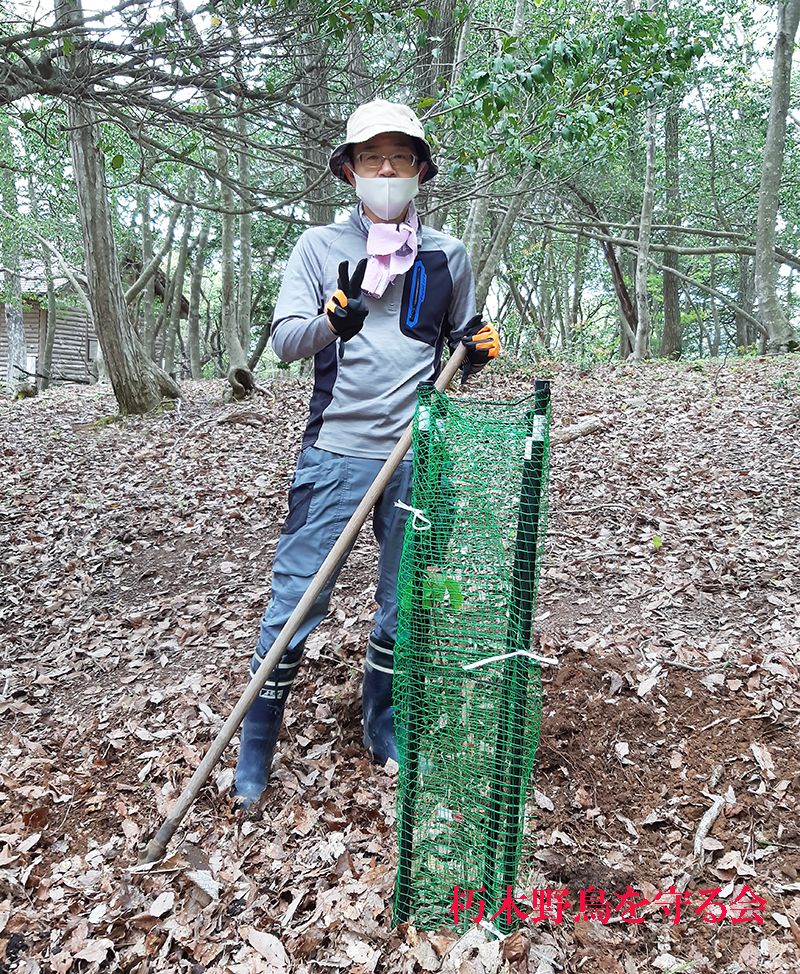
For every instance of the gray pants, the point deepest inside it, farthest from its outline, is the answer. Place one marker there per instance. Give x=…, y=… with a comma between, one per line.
x=326, y=490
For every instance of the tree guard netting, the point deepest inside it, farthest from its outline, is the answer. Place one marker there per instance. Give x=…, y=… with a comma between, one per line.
x=467, y=722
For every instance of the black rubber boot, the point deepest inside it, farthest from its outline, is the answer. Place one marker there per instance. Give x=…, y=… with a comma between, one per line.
x=261, y=726
x=376, y=702
x=259, y=734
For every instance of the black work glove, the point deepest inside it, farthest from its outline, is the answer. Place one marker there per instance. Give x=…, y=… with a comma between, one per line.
x=347, y=309
x=481, y=341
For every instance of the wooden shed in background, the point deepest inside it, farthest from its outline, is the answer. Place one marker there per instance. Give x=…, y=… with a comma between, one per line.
x=75, y=347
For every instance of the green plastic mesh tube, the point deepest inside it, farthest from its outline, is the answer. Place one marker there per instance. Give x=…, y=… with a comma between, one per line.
x=467, y=697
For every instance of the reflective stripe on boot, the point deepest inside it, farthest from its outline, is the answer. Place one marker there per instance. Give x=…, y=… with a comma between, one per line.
x=259, y=734
x=376, y=702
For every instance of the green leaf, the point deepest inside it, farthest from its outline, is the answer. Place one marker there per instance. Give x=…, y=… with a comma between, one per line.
x=433, y=589
x=437, y=587
x=656, y=542
x=118, y=161
x=455, y=593
x=67, y=47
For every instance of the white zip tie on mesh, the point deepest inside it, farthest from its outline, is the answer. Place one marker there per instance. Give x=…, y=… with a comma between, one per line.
x=492, y=929
x=419, y=516
x=537, y=435
x=519, y=652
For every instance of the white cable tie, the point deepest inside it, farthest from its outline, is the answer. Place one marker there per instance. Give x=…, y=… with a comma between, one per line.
x=492, y=929
x=520, y=652
x=419, y=516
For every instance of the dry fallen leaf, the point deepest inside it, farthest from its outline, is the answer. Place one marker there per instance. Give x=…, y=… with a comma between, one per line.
x=95, y=951
x=732, y=862
x=749, y=957
x=764, y=760
x=162, y=904
x=270, y=948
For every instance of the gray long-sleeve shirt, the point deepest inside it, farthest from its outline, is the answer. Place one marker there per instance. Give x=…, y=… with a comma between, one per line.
x=365, y=389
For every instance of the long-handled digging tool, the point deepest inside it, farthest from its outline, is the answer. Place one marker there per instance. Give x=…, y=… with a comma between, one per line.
x=157, y=846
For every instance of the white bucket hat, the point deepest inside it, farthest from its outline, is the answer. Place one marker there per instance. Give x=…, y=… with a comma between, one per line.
x=374, y=118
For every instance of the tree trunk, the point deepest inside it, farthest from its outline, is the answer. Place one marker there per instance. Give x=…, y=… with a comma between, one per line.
x=239, y=374
x=177, y=290
x=150, y=268
x=781, y=335
x=627, y=309
x=261, y=343
x=463, y=44
x=358, y=72
x=714, y=342
x=500, y=238
x=435, y=60
x=163, y=316
x=138, y=383
x=745, y=332
x=46, y=354
x=245, y=296
x=577, y=293
x=641, y=348
x=47, y=335
x=148, y=290
x=17, y=362
x=315, y=95
x=672, y=336
x=472, y=237
x=195, y=358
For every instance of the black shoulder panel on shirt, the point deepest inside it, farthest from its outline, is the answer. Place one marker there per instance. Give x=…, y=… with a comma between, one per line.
x=427, y=292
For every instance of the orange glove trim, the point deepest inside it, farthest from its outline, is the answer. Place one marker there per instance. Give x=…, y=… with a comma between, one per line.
x=339, y=299
x=488, y=340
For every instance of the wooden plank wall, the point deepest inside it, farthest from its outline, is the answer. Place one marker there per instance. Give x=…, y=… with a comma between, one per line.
x=74, y=349
x=30, y=321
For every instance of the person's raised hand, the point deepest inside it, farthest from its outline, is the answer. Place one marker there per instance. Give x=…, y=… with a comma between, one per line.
x=481, y=341
x=347, y=308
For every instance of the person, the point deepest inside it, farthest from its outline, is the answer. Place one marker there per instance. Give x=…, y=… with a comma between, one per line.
x=373, y=299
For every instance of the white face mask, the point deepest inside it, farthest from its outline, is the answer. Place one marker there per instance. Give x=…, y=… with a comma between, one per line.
x=386, y=197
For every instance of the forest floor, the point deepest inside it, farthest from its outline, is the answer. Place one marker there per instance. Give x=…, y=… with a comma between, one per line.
x=136, y=566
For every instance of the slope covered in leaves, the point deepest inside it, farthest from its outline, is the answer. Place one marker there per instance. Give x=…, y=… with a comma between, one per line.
x=136, y=565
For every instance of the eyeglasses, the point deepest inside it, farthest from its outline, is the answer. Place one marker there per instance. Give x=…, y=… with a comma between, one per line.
x=403, y=163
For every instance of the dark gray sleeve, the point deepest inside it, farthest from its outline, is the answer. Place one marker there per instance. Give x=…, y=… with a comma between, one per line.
x=300, y=326
x=462, y=306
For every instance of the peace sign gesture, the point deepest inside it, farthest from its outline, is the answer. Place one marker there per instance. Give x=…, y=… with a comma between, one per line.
x=347, y=308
